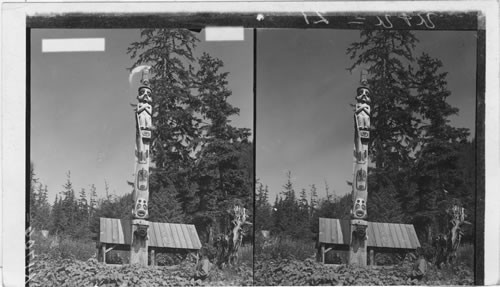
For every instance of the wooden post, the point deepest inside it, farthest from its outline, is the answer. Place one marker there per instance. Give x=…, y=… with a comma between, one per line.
x=139, y=245
x=153, y=257
x=103, y=251
x=357, y=248
x=323, y=253
x=372, y=258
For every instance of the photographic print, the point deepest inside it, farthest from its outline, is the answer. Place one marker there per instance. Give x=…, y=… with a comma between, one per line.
x=141, y=156
x=249, y=143
x=367, y=150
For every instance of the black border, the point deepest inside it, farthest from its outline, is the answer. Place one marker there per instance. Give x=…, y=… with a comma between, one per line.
x=466, y=21
x=254, y=34
x=28, y=149
x=349, y=20
x=480, y=157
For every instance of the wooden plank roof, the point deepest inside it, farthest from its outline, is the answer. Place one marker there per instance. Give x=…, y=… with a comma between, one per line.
x=387, y=235
x=162, y=235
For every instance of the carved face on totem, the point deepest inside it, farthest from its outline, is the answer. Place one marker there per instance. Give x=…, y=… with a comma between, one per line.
x=359, y=208
x=141, y=208
x=363, y=95
x=142, y=179
x=361, y=179
x=144, y=95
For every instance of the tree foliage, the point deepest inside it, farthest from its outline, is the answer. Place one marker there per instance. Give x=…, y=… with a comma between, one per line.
x=203, y=163
x=415, y=149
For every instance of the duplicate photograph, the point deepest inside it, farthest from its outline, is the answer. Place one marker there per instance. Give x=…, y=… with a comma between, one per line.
x=141, y=151
x=366, y=156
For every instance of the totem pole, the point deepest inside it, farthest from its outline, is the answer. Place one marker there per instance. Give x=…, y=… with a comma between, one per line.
x=357, y=250
x=140, y=224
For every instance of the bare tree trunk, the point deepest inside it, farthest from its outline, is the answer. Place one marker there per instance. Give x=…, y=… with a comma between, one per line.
x=228, y=244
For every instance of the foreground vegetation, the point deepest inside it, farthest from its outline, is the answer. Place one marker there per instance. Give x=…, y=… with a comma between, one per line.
x=68, y=262
x=48, y=271
x=284, y=261
x=309, y=272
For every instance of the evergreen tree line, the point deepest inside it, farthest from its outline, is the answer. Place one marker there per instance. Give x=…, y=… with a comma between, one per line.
x=420, y=164
x=71, y=215
x=201, y=164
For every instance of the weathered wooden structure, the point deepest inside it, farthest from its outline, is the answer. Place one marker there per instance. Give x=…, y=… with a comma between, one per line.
x=335, y=234
x=116, y=234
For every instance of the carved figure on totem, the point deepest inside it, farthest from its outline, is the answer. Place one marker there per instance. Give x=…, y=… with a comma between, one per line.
x=361, y=156
x=359, y=208
x=361, y=179
x=142, y=156
x=363, y=95
x=142, y=179
x=363, y=116
x=141, y=208
x=360, y=232
x=144, y=109
x=363, y=109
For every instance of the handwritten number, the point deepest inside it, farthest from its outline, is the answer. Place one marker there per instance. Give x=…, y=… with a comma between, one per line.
x=428, y=22
x=381, y=23
x=305, y=18
x=323, y=20
x=406, y=18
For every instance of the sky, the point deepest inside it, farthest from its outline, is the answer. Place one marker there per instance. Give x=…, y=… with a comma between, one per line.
x=81, y=118
x=304, y=120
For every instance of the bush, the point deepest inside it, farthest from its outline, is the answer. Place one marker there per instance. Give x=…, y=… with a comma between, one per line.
x=284, y=248
x=80, y=250
x=245, y=254
x=465, y=255
x=309, y=272
x=114, y=257
x=64, y=248
x=171, y=258
x=383, y=259
x=48, y=271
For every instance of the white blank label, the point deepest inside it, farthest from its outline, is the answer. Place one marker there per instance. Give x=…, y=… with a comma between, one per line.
x=73, y=45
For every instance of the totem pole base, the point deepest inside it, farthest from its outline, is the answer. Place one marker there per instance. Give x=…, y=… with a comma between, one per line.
x=358, y=246
x=139, y=245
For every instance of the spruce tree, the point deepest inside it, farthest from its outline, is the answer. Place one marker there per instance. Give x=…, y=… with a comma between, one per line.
x=414, y=148
x=202, y=162
x=263, y=209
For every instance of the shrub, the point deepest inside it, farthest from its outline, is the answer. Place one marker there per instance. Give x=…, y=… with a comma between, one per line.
x=170, y=258
x=114, y=257
x=64, y=248
x=48, y=271
x=465, y=255
x=245, y=254
x=285, y=248
x=382, y=259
